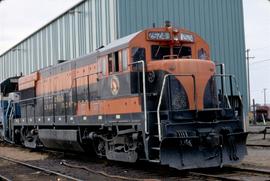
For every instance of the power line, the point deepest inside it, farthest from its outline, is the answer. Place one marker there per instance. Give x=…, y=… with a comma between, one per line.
x=260, y=61
x=262, y=48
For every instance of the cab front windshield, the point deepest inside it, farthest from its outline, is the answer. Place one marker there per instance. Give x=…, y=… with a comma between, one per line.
x=160, y=52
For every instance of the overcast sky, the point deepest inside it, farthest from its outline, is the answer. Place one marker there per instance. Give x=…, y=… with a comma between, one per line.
x=257, y=28
x=19, y=18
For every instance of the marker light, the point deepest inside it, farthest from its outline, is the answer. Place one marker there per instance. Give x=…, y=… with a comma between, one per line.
x=186, y=37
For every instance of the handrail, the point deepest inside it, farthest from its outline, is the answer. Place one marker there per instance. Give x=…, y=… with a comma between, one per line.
x=74, y=81
x=238, y=91
x=88, y=75
x=40, y=97
x=58, y=93
x=170, y=56
x=235, y=81
x=10, y=109
x=161, y=95
x=88, y=86
x=144, y=95
x=222, y=72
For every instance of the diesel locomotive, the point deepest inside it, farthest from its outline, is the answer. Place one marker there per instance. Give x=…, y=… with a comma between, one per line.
x=154, y=95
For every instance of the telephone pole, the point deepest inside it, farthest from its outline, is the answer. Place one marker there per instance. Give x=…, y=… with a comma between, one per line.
x=254, y=112
x=264, y=95
x=248, y=57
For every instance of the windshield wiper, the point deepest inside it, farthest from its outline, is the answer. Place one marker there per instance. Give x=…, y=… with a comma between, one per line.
x=157, y=51
x=180, y=49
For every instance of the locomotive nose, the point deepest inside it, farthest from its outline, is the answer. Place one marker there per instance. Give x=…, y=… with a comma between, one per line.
x=191, y=152
x=193, y=75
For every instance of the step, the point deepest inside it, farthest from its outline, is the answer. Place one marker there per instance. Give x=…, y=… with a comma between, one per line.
x=155, y=148
x=163, y=121
x=154, y=161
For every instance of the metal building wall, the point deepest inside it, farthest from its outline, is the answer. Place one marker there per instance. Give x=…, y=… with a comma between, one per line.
x=219, y=22
x=80, y=30
x=93, y=23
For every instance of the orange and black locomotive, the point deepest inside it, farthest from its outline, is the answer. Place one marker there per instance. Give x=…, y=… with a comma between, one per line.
x=154, y=95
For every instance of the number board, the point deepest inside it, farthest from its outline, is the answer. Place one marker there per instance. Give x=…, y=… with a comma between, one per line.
x=159, y=36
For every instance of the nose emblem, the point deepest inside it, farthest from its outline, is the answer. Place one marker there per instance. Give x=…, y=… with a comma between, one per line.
x=172, y=67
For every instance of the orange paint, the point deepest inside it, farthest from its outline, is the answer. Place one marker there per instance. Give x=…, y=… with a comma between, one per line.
x=201, y=69
x=112, y=106
x=88, y=74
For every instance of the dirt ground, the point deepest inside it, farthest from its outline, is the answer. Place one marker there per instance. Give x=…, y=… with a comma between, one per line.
x=48, y=160
x=257, y=156
x=260, y=157
x=21, y=154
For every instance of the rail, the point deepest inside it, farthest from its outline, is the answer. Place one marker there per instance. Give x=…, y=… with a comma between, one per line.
x=144, y=95
x=234, y=173
x=161, y=95
x=39, y=168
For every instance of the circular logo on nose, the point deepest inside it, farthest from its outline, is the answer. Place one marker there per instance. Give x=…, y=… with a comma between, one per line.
x=115, y=85
x=172, y=67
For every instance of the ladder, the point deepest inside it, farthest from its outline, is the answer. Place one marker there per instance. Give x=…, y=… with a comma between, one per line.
x=9, y=115
x=157, y=138
x=161, y=96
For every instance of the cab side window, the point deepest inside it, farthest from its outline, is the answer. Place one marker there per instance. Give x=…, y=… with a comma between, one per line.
x=110, y=63
x=116, y=62
x=124, y=57
x=104, y=65
x=113, y=62
x=138, y=54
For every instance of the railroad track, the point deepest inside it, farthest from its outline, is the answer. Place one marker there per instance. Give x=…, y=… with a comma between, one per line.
x=141, y=171
x=18, y=170
x=226, y=173
x=234, y=174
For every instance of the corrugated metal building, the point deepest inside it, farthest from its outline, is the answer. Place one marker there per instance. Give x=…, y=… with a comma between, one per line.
x=92, y=23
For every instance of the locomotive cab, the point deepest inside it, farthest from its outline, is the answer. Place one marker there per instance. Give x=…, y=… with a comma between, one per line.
x=194, y=110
